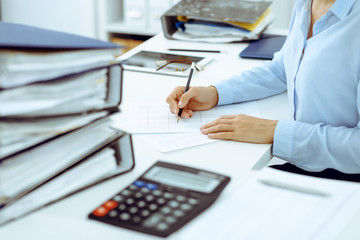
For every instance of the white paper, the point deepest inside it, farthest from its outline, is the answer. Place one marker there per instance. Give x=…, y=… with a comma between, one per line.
x=174, y=141
x=258, y=211
x=157, y=118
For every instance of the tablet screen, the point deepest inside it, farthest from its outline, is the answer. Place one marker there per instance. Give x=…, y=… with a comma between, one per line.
x=153, y=60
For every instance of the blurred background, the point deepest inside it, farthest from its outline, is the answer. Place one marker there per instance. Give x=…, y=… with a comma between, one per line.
x=128, y=22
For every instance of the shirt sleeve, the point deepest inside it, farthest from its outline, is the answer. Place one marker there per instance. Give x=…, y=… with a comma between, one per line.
x=315, y=147
x=260, y=82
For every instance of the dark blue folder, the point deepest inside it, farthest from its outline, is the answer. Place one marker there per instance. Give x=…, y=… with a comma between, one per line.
x=264, y=48
x=18, y=36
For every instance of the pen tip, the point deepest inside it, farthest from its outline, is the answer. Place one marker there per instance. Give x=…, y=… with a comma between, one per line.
x=178, y=118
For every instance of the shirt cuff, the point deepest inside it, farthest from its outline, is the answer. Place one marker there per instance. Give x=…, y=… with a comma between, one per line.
x=284, y=139
x=225, y=93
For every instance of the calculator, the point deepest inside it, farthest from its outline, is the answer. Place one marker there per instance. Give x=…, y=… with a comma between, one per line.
x=162, y=200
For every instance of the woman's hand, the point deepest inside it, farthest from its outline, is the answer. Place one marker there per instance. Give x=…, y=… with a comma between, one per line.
x=241, y=128
x=196, y=98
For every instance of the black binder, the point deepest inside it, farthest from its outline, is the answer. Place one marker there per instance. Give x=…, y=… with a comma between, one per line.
x=264, y=48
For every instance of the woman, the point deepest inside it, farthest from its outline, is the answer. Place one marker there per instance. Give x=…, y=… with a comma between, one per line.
x=319, y=66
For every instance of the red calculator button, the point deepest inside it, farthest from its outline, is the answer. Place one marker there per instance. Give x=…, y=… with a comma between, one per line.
x=111, y=204
x=100, y=211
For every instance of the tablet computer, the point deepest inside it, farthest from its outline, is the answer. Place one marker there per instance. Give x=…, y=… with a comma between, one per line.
x=150, y=61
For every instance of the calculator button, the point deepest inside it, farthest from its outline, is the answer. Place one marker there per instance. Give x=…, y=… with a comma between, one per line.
x=180, y=198
x=118, y=198
x=151, y=186
x=138, y=195
x=193, y=201
x=173, y=204
x=130, y=201
x=157, y=192
x=145, y=213
x=170, y=220
x=161, y=201
x=178, y=213
x=122, y=207
x=133, y=210
x=162, y=226
x=124, y=216
x=133, y=187
x=166, y=210
x=136, y=220
x=100, y=211
x=126, y=192
x=186, y=207
x=139, y=183
x=149, y=198
x=110, y=204
x=168, y=195
x=113, y=213
x=141, y=204
x=145, y=190
x=152, y=221
x=153, y=207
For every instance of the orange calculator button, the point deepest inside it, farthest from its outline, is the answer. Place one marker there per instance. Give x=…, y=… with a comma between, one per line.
x=100, y=211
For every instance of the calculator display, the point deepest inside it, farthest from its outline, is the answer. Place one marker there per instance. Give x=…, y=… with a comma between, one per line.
x=183, y=179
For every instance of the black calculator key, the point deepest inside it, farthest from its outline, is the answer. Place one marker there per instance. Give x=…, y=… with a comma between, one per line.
x=161, y=201
x=168, y=195
x=113, y=213
x=145, y=213
x=157, y=192
x=178, y=213
x=152, y=221
x=173, y=204
x=181, y=198
x=166, y=210
x=122, y=207
x=149, y=198
x=125, y=216
x=170, y=220
x=118, y=198
x=141, y=204
x=133, y=210
x=186, y=207
x=162, y=226
x=153, y=207
x=145, y=190
x=193, y=201
x=138, y=195
x=136, y=220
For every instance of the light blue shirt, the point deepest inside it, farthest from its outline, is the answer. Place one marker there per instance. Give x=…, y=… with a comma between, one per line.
x=322, y=85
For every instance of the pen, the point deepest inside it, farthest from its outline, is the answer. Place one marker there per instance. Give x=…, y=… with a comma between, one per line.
x=187, y=86
x=194, y=50
x=292, y=187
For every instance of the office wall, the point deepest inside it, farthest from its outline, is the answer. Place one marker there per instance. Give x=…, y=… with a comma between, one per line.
x=83, y=16
x=74, y=16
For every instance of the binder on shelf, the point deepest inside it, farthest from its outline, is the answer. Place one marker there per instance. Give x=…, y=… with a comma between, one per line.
x=30, y=54
x=61, y=167
x=216, y=20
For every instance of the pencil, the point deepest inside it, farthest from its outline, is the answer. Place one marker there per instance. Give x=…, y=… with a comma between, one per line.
x=187, y=87
x=194, y=50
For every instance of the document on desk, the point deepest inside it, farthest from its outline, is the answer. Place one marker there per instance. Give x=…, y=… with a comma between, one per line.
x=167, y=142
x=280, y=205
x=157, y=118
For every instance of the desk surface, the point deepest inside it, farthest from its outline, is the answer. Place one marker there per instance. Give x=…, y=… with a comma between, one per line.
x=67, y=219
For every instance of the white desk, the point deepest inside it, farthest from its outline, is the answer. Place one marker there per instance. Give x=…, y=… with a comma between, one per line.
x=68, y=219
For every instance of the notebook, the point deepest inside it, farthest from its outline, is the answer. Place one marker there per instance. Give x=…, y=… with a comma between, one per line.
x=264, y=48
